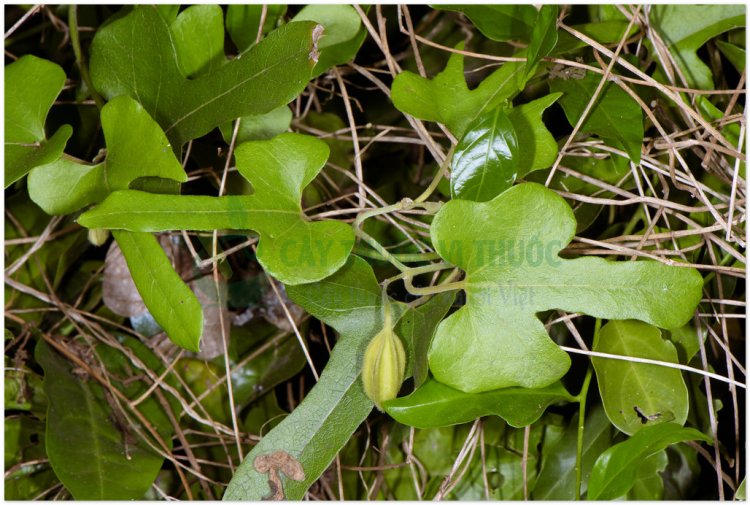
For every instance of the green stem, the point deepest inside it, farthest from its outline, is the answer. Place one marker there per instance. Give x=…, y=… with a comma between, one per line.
x=76, y=41
x=582, y=415
x=404, y=258
x=438, y=177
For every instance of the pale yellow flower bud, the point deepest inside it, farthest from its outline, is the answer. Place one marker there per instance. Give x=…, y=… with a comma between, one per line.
x=384, y=366
x=98, y=236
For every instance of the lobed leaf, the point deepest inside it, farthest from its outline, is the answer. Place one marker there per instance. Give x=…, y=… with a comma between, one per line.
x=291, y=248
x=31, y=87
x=509, y=249
x=499, y=22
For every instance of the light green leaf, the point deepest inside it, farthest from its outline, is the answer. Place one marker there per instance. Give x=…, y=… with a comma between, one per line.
x=85, y=447
x=136, y=147
x=543, y=38
x=685, y=28
x=484, y=162
x=636, y=395
x=616, y=469
x=538, y=147
x=741, y=494
x=292, y=249
x=509, y=248
x=417, y=327
x=499, y=22
x=243, y=22
x=343, y=33
x=350, y=301
x=198, y=35
x=735, y=54
x=557, y=477
x=687, y=339
x=31, y=87
x=259, y=127
x=169, y=300
x=434, y=405
x=446, y=98
x=136, y=56
x=615, y=117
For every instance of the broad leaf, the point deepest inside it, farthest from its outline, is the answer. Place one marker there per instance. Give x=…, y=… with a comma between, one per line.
x=136, y=147
x=557, y=477
x=291, y=248
x=499, y=22
x=685, y=28
x=615, y=117
x=417, y=327
x=735, y=54
x=435, y=404
x=446, y=98
x=243, y=22
x=648, y=482
x=636, y=395
x=259, y=127
x=31, y=87
x=484, y=162
x=350, y=301
x=543, y=38
x=169, y=300
x=89, y=452
x=509, y=248
x=198, y=36
x=616, y=469
x=136, y=56
x=538, y=148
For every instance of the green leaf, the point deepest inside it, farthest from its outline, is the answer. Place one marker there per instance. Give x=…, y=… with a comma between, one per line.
x=615, y=471
x=484, y=162
x=687, y=339
x=243, y=22
x=636, y=395
x=685, y=28
x=136, y=56
x=509, y=248
x=434, y=405
x=31, y=87
x=741, y=494
x=169, y=300
x=735, y=54
x=615, y=117
x=343, y=35
x=259, y=127
x=543, y=38
x=446, y=98
x=648, y=482
x=603, y=31
x=85, y=447
x=557, y=477
x=350, y=301
x=538, y=147
x=417, y=327
x=499, y=22
x=136, y=147
x=292, y=249
x=198, y=36
x=25, y=442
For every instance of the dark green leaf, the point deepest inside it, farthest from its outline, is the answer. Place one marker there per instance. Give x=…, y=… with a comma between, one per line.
x=31, y=86
x=509, y=248
x=499, y=22
x=243, y=22
x=484, y=162
x=648, y=482
x=615, y=117
x=685, y=28
x=446, y=98
x=292, y=248
x=735, y=54
x=434, y=405
x=135, y=56
x=169, y=300
x=543, y=38
x=538, y=148
x=616, y=469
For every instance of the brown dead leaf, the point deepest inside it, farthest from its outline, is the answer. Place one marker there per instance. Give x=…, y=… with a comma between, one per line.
x=275, y=463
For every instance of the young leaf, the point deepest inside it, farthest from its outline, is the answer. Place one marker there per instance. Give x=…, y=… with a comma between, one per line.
x=292, y=249
x=685, y=28
x=509, y=248
x=615, y=117
x=499, y=22
x=446, y=98
x=484, y=162
x=243, y=22
x=417, y=327
x=136, y=147
x=543, y=38
x=198, y=35
x=538, y=147
x=90, y=454
x=636, y=395
x=31, y=86
x=434, y=405
x=169, y=300
x=350, y=301
x=615, y=471
x=136, y=56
